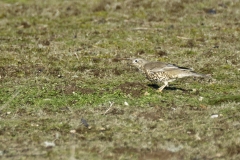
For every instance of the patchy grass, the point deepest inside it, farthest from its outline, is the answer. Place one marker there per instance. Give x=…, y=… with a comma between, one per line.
x=66, y=91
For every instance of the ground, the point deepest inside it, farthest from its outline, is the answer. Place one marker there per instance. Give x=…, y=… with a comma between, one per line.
x=67, y=90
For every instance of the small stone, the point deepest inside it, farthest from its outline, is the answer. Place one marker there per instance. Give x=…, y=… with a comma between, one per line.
x=102, y=129
x=89, y=127
x=214, y=116
x=146, y=94
x=73, y=131
x=49, y=144
x=41, y=46
x=200, y=98
x=34, y=125
x=194, y=90
x=197, y=137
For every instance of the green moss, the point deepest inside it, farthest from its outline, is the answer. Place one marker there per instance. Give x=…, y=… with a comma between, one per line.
x=64, y=78
x=225, y=99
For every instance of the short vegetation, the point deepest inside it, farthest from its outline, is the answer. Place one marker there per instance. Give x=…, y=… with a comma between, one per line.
x=67, y=90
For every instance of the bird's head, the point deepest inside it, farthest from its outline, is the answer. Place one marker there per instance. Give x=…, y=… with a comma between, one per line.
x=139, y=63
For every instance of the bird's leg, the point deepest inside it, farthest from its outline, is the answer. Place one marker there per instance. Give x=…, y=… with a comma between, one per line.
x=162, y=87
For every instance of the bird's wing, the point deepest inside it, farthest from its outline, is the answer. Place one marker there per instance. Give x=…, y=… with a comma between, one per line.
x=162, y=67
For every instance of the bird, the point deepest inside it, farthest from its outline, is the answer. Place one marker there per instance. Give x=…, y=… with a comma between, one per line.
x=158, y=72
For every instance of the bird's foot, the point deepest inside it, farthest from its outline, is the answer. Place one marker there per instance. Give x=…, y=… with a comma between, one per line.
x=159, y=90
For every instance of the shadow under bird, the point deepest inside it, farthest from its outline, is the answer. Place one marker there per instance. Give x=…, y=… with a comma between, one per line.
x=158, y=72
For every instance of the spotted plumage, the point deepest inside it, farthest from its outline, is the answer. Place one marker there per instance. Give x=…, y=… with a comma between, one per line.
x=163, y=72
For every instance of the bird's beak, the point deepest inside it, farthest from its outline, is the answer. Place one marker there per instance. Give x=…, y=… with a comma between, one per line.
x=130, y=61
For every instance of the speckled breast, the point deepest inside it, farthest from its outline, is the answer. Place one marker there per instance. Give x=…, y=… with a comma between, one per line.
x=157, y=76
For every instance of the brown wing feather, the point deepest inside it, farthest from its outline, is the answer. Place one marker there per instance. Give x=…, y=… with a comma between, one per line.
x=161, y=67
x=171, y=69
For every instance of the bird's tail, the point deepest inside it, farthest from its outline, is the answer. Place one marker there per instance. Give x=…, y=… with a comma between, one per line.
x=194, y=74
x=190, y=73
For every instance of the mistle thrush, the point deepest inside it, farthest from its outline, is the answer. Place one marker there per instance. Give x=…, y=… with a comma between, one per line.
x=163, y=72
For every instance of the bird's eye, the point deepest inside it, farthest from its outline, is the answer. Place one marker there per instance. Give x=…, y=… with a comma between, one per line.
x=135, y=60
